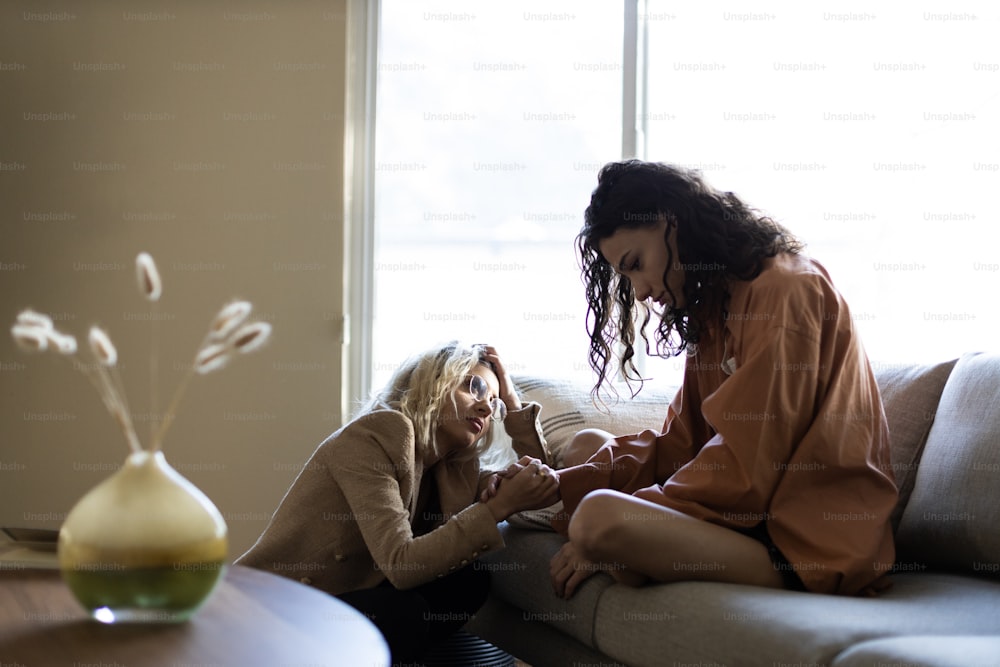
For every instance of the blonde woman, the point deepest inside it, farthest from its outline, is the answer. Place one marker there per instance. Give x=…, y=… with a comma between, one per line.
x=391, y=510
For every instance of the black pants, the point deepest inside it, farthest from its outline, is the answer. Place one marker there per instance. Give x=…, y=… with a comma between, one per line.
x=415, y=620
x=788, y=574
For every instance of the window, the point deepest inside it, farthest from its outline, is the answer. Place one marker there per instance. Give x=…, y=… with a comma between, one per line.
x=868, y=130
x=492, y=122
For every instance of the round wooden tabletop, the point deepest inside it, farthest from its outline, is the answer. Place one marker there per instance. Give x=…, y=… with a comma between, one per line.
x=252, y=618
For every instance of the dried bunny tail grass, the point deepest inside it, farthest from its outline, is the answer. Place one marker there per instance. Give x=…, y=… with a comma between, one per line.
x=216, y=353
x=30, y=338
x=35, y=332
x=110, y=387
x=250, y=337
x=62, y=343
x=231, y=316
x=102, y=347
x=151, y=287
x=149, y=278
x=211, y=358
x=31, y=318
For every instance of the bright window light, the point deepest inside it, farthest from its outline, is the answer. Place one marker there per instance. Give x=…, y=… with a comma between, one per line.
x=868, y=129
x=493, y=120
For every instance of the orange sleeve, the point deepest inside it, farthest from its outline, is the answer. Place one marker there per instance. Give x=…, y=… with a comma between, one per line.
x=630, y=462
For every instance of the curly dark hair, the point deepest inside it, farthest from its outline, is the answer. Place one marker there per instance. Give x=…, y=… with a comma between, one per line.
x=719, y=238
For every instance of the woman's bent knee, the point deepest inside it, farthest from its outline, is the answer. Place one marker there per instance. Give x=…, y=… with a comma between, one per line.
x=583, y=445
x=595, y=521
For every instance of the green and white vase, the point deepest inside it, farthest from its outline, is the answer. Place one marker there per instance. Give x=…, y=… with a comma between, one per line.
x=145, y=545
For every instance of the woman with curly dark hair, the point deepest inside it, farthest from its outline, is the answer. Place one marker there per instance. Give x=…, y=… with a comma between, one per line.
x=772, y=466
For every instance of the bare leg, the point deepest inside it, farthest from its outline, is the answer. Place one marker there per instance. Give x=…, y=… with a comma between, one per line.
x=622, y=531
x=583, y=445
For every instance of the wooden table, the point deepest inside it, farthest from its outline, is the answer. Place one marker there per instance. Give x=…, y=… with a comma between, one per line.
x=253, y=618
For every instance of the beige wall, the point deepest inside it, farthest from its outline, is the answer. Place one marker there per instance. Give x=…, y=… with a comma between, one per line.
x=210, y=135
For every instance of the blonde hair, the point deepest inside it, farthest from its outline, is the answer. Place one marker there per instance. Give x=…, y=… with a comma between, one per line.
x=420, y=387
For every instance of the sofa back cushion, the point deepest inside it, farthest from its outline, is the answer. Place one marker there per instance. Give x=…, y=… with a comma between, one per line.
x=952, y=520
x=910, y=395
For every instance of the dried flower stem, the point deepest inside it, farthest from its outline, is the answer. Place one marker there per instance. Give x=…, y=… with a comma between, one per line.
x=154, y=370
x=119, y=387
x=101, y=378
x=156, y=439
x=168, y=417
x=151, y=287
x=120, y=412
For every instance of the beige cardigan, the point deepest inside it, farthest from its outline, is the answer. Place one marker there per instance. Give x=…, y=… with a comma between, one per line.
x=346, y=523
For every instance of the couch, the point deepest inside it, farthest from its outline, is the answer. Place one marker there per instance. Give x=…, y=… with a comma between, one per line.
x=943, y=608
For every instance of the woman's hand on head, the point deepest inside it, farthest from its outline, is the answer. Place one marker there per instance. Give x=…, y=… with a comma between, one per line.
x=508, y=393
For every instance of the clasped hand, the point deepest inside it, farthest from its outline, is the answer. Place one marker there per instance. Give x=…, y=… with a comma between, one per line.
x=524, y=485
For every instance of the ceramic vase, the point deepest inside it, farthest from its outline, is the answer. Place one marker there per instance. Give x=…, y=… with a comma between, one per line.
x=145, y=545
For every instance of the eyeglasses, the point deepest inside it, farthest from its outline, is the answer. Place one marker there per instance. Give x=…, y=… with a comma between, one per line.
x=481, y=392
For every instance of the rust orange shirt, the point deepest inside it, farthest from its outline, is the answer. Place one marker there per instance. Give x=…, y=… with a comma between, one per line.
x=779, y=420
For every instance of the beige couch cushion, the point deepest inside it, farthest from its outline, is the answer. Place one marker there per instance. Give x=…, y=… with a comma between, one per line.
x=953, y=518
x=935, y=651
x=519, y=576
x=711, y=623
x=910, y=395
x=702, y=623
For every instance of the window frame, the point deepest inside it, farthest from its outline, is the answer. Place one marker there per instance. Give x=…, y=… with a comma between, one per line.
x=359, y=186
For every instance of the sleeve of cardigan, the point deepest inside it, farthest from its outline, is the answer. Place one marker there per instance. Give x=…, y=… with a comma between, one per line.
x=368, y=467
x=525, y=432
